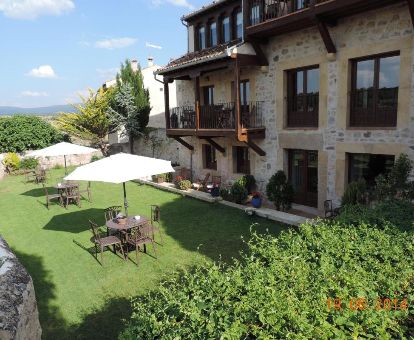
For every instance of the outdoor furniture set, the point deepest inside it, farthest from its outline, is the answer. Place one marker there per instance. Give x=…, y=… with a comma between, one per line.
x=67, y=192
x=37, y=175
x=126, y=232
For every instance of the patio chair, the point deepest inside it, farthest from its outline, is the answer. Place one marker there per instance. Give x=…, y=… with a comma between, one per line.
x=71, y=194
x=330, y=211
x=103, y=242
x=155, y=221
x=30, y=176
x=50, y=197
x=201, y=184
x=215, y=183
x=40, y=176
x=140, y=236
x=87, y=191
x=110, y=214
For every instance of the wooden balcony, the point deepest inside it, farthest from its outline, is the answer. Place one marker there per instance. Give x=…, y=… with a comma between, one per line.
x=218, y=120
x=266, y=18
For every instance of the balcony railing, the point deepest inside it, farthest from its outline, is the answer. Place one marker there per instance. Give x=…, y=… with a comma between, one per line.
x=183, y=117
x=303, y=110
x=264, y=10
x=374, y=108
x=217, y=116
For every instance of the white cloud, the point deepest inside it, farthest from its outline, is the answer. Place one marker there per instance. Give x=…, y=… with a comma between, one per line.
x=108, y=73
x=181, y=3
x=34, y=94
x=44, y=71
x=158, y=47
x=31, y=9
x=112, y=44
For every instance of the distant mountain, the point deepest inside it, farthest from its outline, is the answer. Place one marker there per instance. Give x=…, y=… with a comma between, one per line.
x=48, y=110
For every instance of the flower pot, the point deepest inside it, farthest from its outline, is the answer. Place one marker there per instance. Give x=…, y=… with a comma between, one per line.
x=256, y=202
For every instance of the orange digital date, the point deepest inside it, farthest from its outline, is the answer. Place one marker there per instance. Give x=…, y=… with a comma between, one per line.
x=361, y=304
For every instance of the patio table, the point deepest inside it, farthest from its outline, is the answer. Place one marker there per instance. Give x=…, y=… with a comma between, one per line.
x=61, y=187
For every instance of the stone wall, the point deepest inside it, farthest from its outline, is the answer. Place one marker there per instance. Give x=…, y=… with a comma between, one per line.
x=19, y=317
x=379, y=31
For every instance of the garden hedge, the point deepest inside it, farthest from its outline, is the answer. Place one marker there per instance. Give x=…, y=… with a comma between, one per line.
x=281, y=286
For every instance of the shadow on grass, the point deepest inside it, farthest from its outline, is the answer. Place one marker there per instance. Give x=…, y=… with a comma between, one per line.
x=75, y=221
x=39, y=192
x=212, y=229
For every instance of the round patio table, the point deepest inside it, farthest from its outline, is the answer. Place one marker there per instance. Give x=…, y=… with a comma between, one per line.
x=64, y=186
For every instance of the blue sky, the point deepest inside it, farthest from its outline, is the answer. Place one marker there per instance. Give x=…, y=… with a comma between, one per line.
x=53, y=49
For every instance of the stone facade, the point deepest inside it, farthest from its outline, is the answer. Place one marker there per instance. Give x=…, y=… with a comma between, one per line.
x=19, y=317
x=380, y=31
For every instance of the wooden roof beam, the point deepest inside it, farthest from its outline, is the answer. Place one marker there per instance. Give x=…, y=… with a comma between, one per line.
x=215, y=145
x=256, y=148
x=326, y=36
x=184, y=143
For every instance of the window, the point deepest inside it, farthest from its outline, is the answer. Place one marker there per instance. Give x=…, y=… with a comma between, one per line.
x=374, y=95
x=209, y=157
x=225, y=29
x=213, y=34
x=239, y=25
x=208, y=95
x=300, y=4
x=201, y=38
x=242, y=160
x=244, y=92
x=368, y=167
x=303, y=97
x=255, y=14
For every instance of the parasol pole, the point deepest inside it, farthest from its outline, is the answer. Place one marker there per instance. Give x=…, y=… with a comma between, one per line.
x=125, y=200
x=66, y=170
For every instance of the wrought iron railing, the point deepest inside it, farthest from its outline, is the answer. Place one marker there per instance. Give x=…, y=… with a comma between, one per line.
x=217, y=116
x=303, y=110
x=264, y=10
x=374, y=108
x=252, y=115
x=183, y=117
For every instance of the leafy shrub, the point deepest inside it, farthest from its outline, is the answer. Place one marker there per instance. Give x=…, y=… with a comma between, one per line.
x=238, y=193
x=248, y=181
x=226, y=195
x=95, y=158
x=184, y=184
x=280, y=191
x=355, y=193
x=11, y=161
x=29, y=163
x=280, y=289
x=21, y=133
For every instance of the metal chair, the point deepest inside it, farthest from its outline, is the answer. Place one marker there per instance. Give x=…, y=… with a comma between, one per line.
x=50, y=197
x=71, y=193
x=110, y=214
x=155, y=221
x=103, y=242
x=330, y=211
x=87, y=191
x=139, y=236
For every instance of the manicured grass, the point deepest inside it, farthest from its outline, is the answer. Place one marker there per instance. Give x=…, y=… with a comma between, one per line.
x=79, y=298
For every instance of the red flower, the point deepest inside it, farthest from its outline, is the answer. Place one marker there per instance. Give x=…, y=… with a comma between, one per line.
x=256, y=194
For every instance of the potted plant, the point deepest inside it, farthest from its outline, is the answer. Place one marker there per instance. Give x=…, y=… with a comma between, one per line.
x=256, y=200
x=159, y=178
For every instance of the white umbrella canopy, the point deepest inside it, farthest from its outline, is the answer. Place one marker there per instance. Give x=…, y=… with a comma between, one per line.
x=62, y=149
x=120, y=168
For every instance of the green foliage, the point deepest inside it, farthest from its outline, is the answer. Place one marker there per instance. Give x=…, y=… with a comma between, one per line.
x=280, y=191
x=184, y=184
x=57, y=167
x=396, y=183
x=29, y=163
x=238, y=193
x=249, y=182
x=91, y=121
x=21, y=133
x=399, y=213
x=95, y=158
x=280, y=289
x=11, y=161
x=355, y=193
x=226, y=195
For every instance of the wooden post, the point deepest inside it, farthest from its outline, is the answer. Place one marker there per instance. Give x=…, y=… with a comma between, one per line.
x=167, y=103
x=237, y=97
x=197, y=100
x=246, y=15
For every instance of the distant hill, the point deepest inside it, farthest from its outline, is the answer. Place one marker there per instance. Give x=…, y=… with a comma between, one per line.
x=48, y=110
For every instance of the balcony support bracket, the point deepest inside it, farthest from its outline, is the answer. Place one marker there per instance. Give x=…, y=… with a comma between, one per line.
x=256, y=148
x=411, y=8
x=184, y=143
x=259, y=53
x=215, y=145
x=326, y=36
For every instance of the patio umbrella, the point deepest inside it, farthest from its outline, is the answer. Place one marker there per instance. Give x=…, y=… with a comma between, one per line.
x=62, y=149
x=120, y=168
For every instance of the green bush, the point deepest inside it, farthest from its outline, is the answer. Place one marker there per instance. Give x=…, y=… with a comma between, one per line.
x=184, y=184
x=280, y=191
x=355, y=193
x=249, y=182
x=280, y=290
x=225, y=194
x=11, y=161
x=21, y=133
x=29, y=163
x=95, y=158
x=238, y=193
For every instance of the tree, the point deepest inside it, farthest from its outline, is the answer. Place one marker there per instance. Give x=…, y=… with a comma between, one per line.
x=127, y=75
x=91, y=122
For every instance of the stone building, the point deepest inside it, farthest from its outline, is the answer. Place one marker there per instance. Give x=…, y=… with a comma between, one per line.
x=322, y=89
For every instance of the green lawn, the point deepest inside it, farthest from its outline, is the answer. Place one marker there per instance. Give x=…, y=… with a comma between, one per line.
x=77, y=297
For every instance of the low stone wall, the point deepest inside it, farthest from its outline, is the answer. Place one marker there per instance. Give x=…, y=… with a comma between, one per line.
x=19, y=317
x=50, y=162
